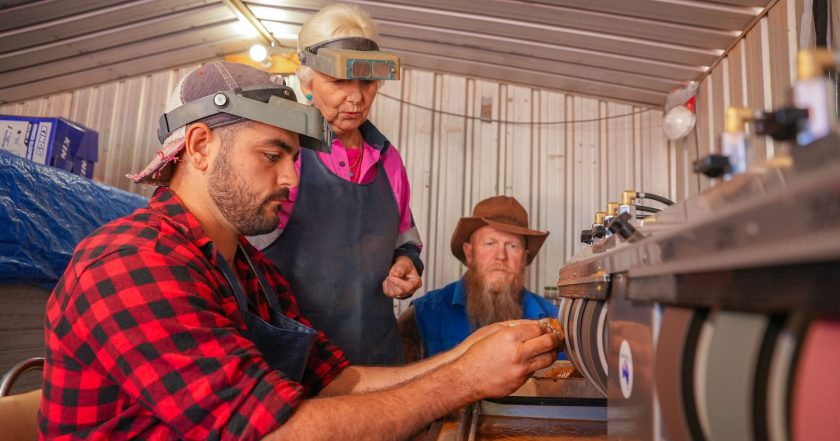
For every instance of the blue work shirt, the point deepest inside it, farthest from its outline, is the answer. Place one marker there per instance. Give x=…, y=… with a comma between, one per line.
x=442, y=316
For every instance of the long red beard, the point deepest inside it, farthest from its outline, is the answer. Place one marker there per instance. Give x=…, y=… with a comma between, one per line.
x=486, y=305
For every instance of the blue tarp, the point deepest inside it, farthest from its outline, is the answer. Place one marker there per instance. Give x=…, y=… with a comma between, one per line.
x=45, y=213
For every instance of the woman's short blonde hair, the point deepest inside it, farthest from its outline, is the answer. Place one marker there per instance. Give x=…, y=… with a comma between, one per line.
x=333, y=21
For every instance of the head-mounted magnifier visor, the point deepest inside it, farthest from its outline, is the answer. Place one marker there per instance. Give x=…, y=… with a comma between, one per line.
x=266, y=104
x=352, y=58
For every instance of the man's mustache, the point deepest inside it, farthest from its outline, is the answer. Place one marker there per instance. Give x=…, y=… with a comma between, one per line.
x=281, y=195
x=500, y=267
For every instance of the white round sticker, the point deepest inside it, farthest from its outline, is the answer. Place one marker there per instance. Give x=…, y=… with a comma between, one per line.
x=625, y=369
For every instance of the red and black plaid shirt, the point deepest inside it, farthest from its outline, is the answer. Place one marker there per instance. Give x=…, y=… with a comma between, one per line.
x=144, y=338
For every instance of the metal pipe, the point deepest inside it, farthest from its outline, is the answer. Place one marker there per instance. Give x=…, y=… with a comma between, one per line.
x=646, y=208
x=655, y=197
x=243, y=13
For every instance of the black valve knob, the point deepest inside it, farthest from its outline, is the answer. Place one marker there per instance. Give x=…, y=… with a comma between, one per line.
x=783, y=124
x=713, y=166
x=586, y=236
x=621, y=226
x=598, y=231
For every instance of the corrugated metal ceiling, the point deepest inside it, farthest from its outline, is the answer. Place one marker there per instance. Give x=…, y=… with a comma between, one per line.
x=623, y=50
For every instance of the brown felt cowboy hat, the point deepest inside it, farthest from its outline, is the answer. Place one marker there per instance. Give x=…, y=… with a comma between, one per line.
x=503, y=213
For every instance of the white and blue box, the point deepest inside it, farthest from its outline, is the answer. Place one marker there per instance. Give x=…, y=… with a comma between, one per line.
x=56, y=142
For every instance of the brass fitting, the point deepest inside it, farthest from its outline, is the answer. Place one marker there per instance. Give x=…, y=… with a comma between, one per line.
x=627, y=197
x=812, y=63
x=736, y=117
x=599, y=217
x=780, y=161
x=612, y=208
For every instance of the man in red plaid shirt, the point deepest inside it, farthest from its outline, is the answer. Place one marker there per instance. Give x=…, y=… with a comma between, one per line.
x=167, y=324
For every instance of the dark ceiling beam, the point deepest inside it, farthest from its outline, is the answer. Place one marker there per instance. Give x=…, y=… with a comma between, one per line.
x=114, y=37
x=138, y=66
x=104, y=18
x=29, y=13
x=149, y=46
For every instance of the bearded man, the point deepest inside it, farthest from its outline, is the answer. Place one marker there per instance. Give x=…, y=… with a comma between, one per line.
x=496, y=245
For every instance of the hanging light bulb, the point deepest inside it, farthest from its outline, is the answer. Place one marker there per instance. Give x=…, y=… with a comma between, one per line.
x=258, y=53
x=678, y=122
x=679, y=119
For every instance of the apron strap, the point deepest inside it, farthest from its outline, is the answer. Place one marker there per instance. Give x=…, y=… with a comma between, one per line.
x=273, y=303
x=239, y=292
x=233, y=281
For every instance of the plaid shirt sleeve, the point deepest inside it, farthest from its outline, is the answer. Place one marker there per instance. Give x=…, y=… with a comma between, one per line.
x=154, y=327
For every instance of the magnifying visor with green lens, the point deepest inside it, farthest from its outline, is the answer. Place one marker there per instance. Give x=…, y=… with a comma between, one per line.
x=351, y=58
x=272, y=105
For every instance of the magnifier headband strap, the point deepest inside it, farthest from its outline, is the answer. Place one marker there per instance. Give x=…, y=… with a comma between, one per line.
x=204, y=107
x=278, y=112
x=348, y=43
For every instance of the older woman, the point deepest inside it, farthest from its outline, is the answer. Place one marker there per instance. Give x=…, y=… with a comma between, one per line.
x=348, y=243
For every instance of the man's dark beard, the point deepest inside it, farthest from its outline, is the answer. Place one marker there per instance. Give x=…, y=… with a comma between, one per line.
x=486, y=305
x=238, y=205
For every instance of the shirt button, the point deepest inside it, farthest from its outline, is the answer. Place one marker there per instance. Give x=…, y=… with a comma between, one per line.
x=341, y=163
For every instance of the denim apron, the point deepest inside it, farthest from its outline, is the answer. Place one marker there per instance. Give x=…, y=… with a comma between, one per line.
x=284, y=342
x=336, y=249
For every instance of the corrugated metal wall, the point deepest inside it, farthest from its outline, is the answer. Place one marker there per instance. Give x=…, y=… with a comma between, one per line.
x=756, y=73
x=562, y=173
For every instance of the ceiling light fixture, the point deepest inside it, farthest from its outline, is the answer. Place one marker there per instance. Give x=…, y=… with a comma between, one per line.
x=258, y=53
x=679, y=118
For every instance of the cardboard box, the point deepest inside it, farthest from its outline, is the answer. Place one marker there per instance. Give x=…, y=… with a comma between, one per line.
x=83, y=167
x=55, y=142
x=87, y=154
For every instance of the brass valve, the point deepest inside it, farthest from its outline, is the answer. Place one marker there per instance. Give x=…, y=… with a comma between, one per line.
x=812, y=63
x=612, y=208
x=627, y=197
x=599, y=217
x=736, y=117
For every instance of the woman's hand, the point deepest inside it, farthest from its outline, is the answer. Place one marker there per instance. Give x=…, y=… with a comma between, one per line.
x=403, y=279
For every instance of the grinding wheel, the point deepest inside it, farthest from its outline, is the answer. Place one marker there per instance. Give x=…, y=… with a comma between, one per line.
x=565, y=308
x=729, y=372
x=572, y=337
x=701, y=362
x=815, y=412
x=584, y=339
x=782, y=369
x=589, y=342
x=679, y=331
x=603, y=340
